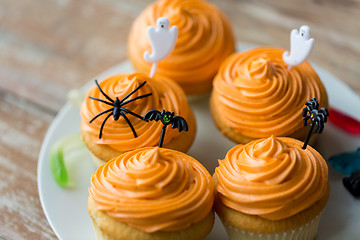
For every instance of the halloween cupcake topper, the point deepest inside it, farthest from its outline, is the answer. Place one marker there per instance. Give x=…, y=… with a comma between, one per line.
x=317, y=117
x=162, y=40
x=118, y=109
x=300, y=46
x=166, y=118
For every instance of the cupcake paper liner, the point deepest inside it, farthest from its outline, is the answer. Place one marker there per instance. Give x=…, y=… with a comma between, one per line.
x=305, y=232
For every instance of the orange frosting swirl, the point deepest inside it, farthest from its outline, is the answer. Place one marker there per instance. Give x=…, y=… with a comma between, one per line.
x=153, y=189
x=257, y=95
x=117, y=134
x=272, y=178
x=205, y=39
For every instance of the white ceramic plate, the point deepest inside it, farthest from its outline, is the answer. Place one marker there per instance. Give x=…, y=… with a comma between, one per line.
x=66, y=209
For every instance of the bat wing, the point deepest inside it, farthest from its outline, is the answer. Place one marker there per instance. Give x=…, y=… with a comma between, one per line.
x=152, y=115
x=179, y=123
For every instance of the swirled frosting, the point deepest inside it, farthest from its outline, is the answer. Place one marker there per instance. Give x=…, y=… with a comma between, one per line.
x=257, y=95
x=117, y=134
x=153, y=189
x=205, y=39
x=272, y=178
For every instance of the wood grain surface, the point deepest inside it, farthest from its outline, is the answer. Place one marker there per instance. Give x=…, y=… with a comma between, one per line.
x=48, y=47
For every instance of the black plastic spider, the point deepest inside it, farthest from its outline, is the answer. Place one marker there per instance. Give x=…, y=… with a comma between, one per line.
x=117, y=109
x=317, y=117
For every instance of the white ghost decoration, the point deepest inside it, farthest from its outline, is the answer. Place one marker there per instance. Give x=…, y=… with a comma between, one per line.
x=162, y=40
x=300, y=46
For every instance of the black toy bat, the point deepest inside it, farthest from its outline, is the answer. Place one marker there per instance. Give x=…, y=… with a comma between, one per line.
x=317, y=117
x=118, y=108
x=166, y=118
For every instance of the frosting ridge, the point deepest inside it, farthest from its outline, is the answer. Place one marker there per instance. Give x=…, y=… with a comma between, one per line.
x=272, y=178
x=117, y=134
x=153, y=189
x=205, y=39
x=258, y=96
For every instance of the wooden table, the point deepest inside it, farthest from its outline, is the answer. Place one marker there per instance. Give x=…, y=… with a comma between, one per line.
x=49, y=47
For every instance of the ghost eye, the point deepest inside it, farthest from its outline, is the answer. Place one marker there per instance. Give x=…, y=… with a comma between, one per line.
x=302, y=34
x=162, y=26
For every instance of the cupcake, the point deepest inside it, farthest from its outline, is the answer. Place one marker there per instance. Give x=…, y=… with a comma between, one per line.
x=271, y=189
x=255, y=95
x=151, y=193
x=114, y=137
x=205, y=39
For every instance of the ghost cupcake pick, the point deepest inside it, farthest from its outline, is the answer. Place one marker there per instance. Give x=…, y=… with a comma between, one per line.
x=300, y=46
x=162, y=40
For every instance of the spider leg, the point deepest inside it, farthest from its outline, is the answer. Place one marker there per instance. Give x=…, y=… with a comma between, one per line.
x=308, y=108
x=103, y=92
x=126, y=97
x=325, y=112
x=132, y=113
x=315, y=103
x=317, y=129
x=321, y=128
x=319, y=125
x=103, y=123
x=325, y=117
x=322, y=117
x=306, y=118
x=97, y=99
x=133, y=99
x=106, y=111
x=307, y=103
x=304, y=111
x=311, y=104
x=129, y=123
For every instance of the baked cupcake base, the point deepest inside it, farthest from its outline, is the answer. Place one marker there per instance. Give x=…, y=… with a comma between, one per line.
x=241, y=139
x=302, y=226
x=107, y=228
x=103, y=153
x=308, y=231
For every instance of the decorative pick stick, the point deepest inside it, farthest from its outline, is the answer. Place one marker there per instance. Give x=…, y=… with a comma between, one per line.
x=166, y=118
x=162, y=40
x=317, y=117
x=118, y=109
x=300, y=46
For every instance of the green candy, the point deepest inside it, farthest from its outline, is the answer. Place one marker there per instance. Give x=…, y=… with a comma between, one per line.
x=57, y=165
x=60, y=155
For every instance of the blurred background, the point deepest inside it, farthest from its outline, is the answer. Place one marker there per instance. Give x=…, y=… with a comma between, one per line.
x=48, y=47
